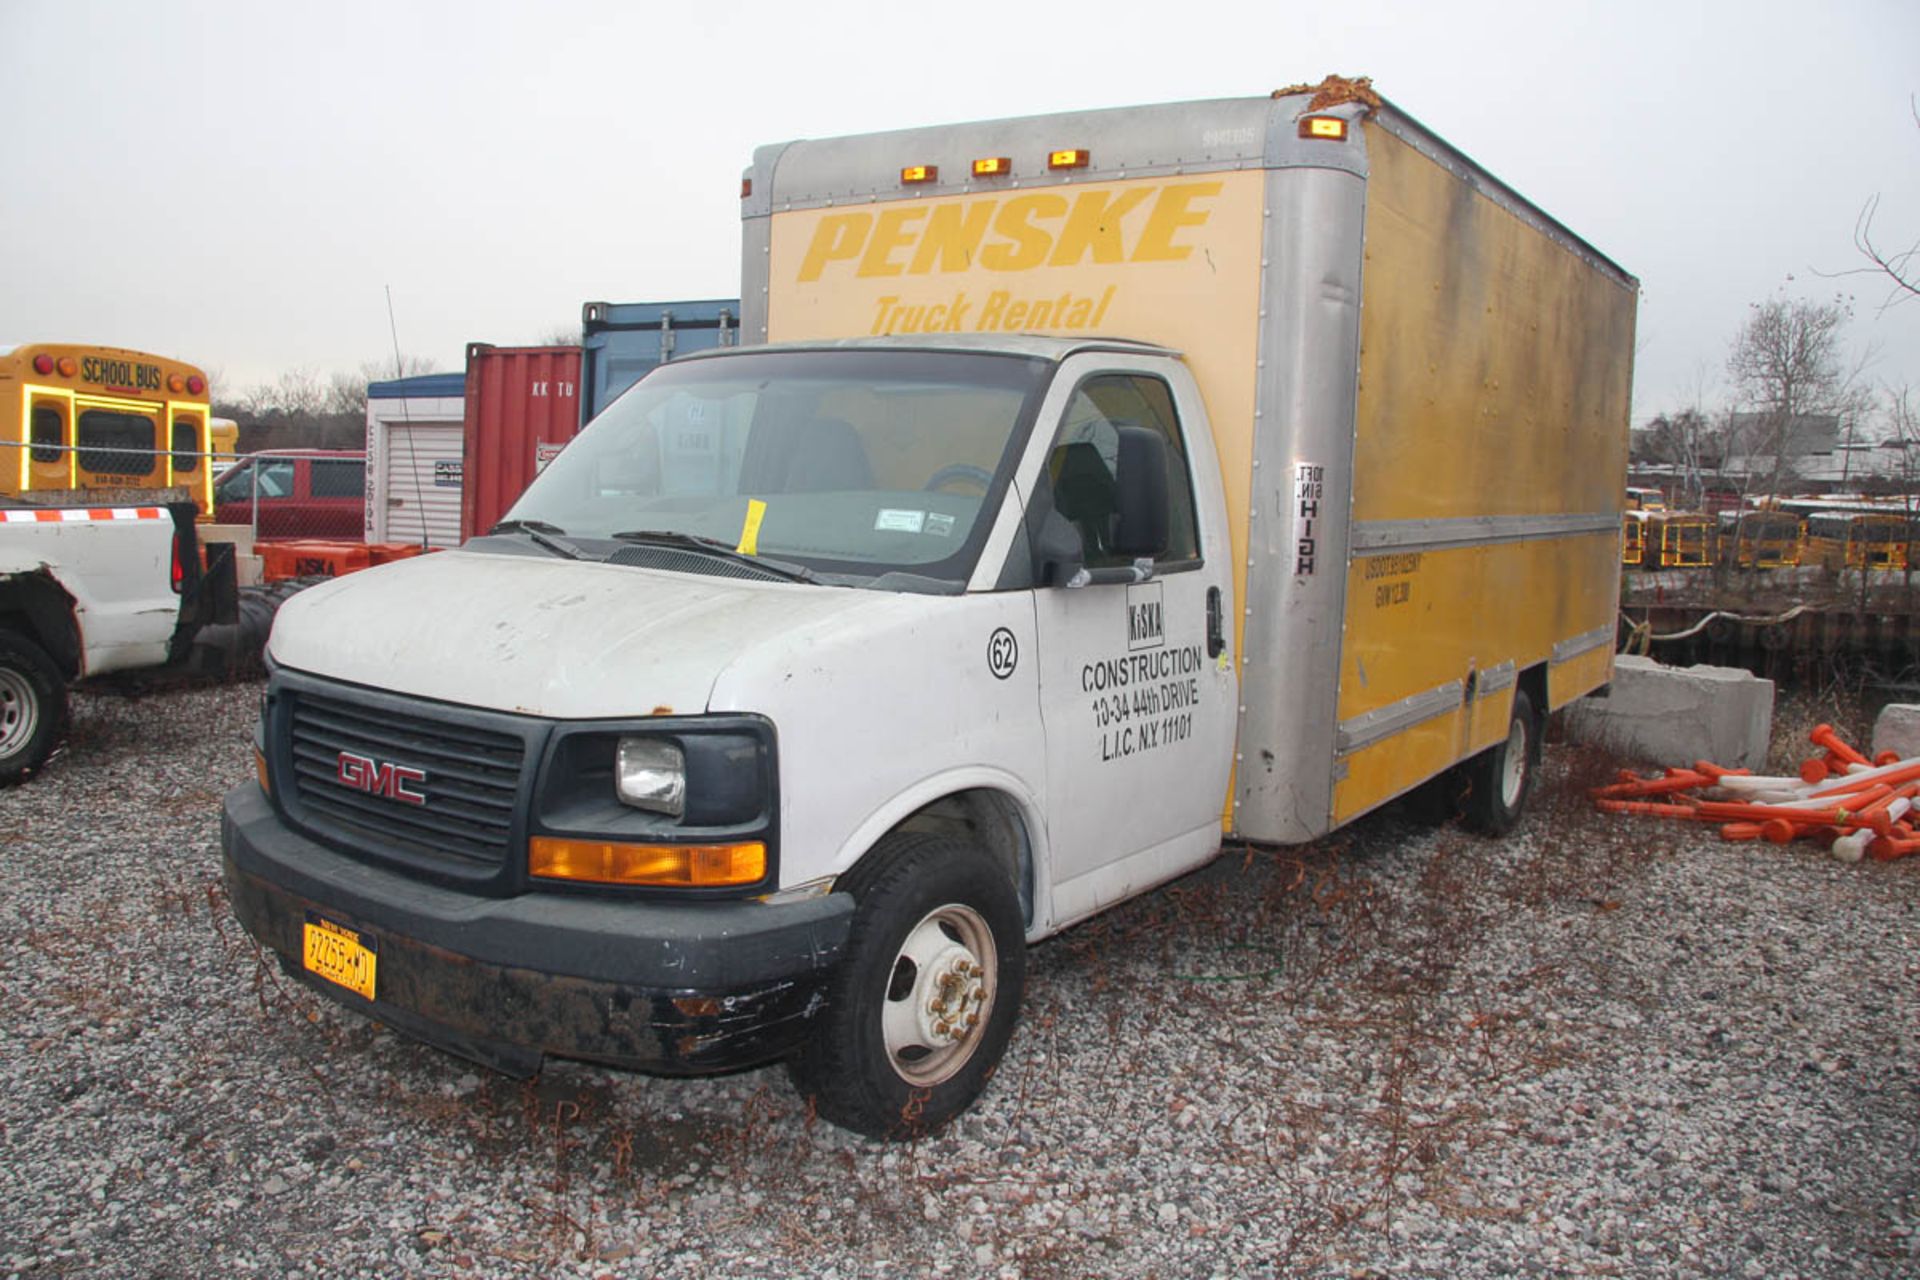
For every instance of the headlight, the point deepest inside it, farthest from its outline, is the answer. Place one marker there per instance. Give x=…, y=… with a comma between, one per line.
x=651, y=774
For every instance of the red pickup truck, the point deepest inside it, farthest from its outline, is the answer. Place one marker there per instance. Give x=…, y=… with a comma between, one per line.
x=295, y=493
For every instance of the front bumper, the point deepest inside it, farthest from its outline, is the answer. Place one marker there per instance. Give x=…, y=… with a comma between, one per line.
x=678, y=988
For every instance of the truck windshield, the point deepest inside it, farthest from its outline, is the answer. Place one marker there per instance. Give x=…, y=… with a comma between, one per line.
x=852, y=463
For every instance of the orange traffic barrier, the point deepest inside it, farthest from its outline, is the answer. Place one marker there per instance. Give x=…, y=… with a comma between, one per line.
x=1675, y=780
x=1906, y=771
x=1824, y=736
x=1714, y=772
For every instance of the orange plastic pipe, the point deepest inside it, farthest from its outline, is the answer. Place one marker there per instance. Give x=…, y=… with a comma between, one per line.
x=1824, y=736
x=1890, y=775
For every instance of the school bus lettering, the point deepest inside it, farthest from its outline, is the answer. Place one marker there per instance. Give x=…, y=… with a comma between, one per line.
x=1028, y=244
x=1016, y=233
x=120, y=374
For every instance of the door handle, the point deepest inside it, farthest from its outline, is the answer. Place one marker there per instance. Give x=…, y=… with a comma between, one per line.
x=1216, y=628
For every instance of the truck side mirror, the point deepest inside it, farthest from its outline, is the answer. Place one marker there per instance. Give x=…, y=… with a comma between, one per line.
x=1140, y=527
x=1058, y=551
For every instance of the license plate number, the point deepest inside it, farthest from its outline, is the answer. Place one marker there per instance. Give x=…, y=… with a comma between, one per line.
x=340, y=955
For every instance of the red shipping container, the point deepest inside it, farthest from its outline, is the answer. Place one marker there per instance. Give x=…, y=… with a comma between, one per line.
x=523, y=404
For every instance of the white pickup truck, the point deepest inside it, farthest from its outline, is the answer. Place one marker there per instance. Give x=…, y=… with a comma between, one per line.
x=86, y=591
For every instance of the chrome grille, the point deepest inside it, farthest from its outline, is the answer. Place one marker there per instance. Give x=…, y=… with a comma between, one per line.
x=472, y=779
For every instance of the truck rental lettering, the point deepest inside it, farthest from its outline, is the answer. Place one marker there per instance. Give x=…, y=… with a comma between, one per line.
x=1145, y=699
x=120, y=375
x=1141, y=224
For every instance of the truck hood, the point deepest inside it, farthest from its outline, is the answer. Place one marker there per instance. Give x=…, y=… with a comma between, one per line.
x=548, y=637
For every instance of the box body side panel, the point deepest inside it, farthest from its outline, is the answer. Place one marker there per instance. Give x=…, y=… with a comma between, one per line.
x=1490, y=455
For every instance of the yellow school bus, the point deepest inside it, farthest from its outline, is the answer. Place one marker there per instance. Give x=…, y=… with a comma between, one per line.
x=75, y=418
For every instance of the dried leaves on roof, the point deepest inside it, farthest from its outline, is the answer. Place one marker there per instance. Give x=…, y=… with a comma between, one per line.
x=1335, y=91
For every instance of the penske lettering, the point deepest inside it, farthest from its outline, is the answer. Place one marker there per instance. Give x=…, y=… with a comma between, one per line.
x=1012, y=233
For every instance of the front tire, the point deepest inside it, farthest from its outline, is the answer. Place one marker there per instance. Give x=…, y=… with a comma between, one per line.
x=925, y=997
x=1502, y=776
x=33, y=708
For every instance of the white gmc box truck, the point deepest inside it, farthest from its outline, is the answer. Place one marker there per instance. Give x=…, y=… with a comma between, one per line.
x=1102, y=485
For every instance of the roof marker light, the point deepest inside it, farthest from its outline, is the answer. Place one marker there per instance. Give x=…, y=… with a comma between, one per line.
x=917, y=173
x=992, y=167
x=175, y=382
x=746, y=187
x=43, y=364
x=1330, y=128
x=195, y=384
x=1076, y=158
x=68, y=366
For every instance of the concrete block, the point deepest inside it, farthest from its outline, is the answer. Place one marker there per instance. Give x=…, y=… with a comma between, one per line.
x=1897, y=729
x=1676, y=715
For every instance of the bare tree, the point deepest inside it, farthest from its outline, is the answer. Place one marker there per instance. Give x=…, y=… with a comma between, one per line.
x=1786, y=366
x=1900, y=268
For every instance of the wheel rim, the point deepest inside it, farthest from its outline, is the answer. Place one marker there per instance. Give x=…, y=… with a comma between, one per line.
x=1513, y=769
x=940, y=992
x=19, y=711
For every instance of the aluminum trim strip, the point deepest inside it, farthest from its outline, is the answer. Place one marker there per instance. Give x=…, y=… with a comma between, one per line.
x=1384, y=722
x=1495, y=679
x=1585, y=642
x=1471, y=531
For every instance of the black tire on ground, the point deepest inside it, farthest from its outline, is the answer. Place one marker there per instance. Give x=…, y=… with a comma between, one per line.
x=236, y=650
x=33, y=707
x=1501, y=777
x=924, y=999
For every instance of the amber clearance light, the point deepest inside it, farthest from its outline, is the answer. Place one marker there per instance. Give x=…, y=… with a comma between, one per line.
x=677, y=866
x=1075, y=158
x=1331, y=128
x=914, y=174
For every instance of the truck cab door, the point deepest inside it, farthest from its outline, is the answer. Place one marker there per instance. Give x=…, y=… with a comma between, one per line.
x=1138, y=694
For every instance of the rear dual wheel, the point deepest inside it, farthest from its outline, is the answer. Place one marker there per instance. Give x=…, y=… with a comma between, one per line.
x=924, y=1000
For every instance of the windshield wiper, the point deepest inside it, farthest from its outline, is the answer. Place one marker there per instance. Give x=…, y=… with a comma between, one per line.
x=542, y=534
x=716, y=548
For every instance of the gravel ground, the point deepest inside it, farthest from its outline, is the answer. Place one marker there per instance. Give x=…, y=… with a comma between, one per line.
x=1601, y=1047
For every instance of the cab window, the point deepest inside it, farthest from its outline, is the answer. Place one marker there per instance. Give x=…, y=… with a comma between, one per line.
x=1080, y=470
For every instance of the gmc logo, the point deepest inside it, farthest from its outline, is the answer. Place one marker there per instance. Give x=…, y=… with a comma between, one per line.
x=380, y=778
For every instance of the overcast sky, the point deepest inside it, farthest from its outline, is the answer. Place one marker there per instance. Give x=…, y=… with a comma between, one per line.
x=239, y=184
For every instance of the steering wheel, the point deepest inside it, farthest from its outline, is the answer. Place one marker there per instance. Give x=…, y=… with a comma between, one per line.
x=957, y=472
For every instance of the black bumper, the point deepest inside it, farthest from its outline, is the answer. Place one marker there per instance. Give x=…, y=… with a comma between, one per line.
x=678, y=988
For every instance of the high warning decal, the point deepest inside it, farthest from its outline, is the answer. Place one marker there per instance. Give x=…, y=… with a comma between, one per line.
x=1309, y=484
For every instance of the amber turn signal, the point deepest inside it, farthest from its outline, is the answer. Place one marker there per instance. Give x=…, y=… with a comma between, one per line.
x=675, y=866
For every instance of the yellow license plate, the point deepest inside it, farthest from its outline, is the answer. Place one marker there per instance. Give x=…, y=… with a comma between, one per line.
x=340, y=955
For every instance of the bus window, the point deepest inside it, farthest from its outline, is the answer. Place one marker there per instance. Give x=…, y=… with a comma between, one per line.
x=49, y=433
x=186, y=446
x=116, y=443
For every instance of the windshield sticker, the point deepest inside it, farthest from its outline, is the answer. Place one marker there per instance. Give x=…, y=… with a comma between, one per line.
x=750, y=531
x=939, y=524
x=894, y=520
